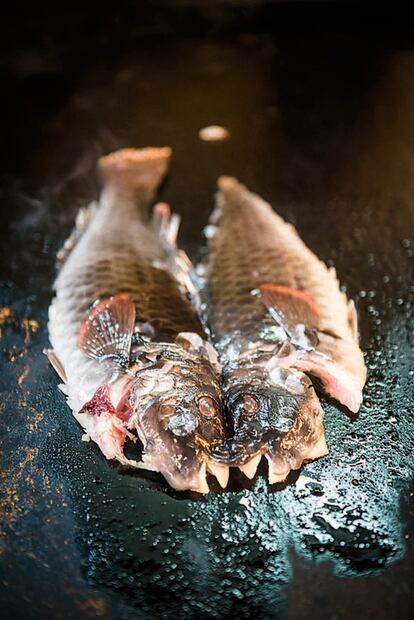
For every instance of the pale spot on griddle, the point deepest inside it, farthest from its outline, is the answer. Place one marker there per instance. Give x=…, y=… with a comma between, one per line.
x=214, y=133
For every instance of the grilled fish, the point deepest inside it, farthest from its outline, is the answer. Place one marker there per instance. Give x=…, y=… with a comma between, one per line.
x=127, y=342
x=276, y=315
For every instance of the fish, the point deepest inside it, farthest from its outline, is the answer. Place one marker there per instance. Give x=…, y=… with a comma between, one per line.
x=281, y=327
x=126, y=337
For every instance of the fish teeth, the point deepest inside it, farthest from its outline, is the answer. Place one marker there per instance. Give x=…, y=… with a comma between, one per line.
x=221, y=472
x=249, y=469
x=278, y=468
x=201, y=486
x=274, y=477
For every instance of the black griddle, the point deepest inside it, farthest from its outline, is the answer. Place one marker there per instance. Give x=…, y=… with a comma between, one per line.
x=319, y=100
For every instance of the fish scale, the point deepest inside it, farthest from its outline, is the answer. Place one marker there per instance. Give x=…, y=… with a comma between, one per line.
x=246, y=244
x=155, y=292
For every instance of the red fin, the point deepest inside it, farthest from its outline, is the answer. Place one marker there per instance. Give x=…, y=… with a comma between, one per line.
x=161, y=212
x=107, y=330
x=166, y=225
x=342, y=388
x=340, y=384
x=290, y=307
x=99, y=403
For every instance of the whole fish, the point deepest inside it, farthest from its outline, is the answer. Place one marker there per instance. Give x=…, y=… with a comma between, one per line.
x=276, y=315
x=127, y=341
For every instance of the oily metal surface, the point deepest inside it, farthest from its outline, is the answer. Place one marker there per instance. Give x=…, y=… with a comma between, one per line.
x=322, y=125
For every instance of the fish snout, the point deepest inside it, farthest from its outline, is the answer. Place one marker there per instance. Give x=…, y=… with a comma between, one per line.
x=238, y=449
x=293, y=433
x=238, y=452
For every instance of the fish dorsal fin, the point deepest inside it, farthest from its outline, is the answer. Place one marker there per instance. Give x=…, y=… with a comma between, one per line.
x=83, y=219
x=166, y=225
x=290, y=307
x=107, y=330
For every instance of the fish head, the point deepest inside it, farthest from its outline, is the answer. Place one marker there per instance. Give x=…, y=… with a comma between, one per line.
x=175, y=405
x=276, y=414
x=168, y=392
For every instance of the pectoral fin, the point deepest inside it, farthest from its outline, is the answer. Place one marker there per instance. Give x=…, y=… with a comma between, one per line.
x=290, y=307
x=341, y=384
x=107, y=330
x=166, y=225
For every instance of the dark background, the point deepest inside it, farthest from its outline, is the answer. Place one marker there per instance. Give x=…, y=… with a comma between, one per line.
x=319, y=100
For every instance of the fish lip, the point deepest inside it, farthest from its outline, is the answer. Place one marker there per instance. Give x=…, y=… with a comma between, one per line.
x=239, y=451
x=219, y=454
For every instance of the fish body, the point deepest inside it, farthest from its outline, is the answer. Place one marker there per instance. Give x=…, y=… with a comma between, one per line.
x=276, y=316
x=127, y=341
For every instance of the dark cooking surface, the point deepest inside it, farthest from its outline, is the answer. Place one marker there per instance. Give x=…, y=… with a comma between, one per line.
x=322, y=125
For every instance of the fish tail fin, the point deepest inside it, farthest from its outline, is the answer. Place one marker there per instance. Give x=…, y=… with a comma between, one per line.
x=233, y=197
x=229, y=198
x=227, y=184
x=135, y=171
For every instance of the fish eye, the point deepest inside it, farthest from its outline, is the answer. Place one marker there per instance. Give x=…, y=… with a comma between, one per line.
x=207, y=406
x=248, y=403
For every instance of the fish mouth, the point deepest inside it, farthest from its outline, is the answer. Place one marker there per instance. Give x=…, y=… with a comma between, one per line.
x=239, y=449
x=199, y=482
x=220, y=470
x=196, y=481
x=283, y=452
